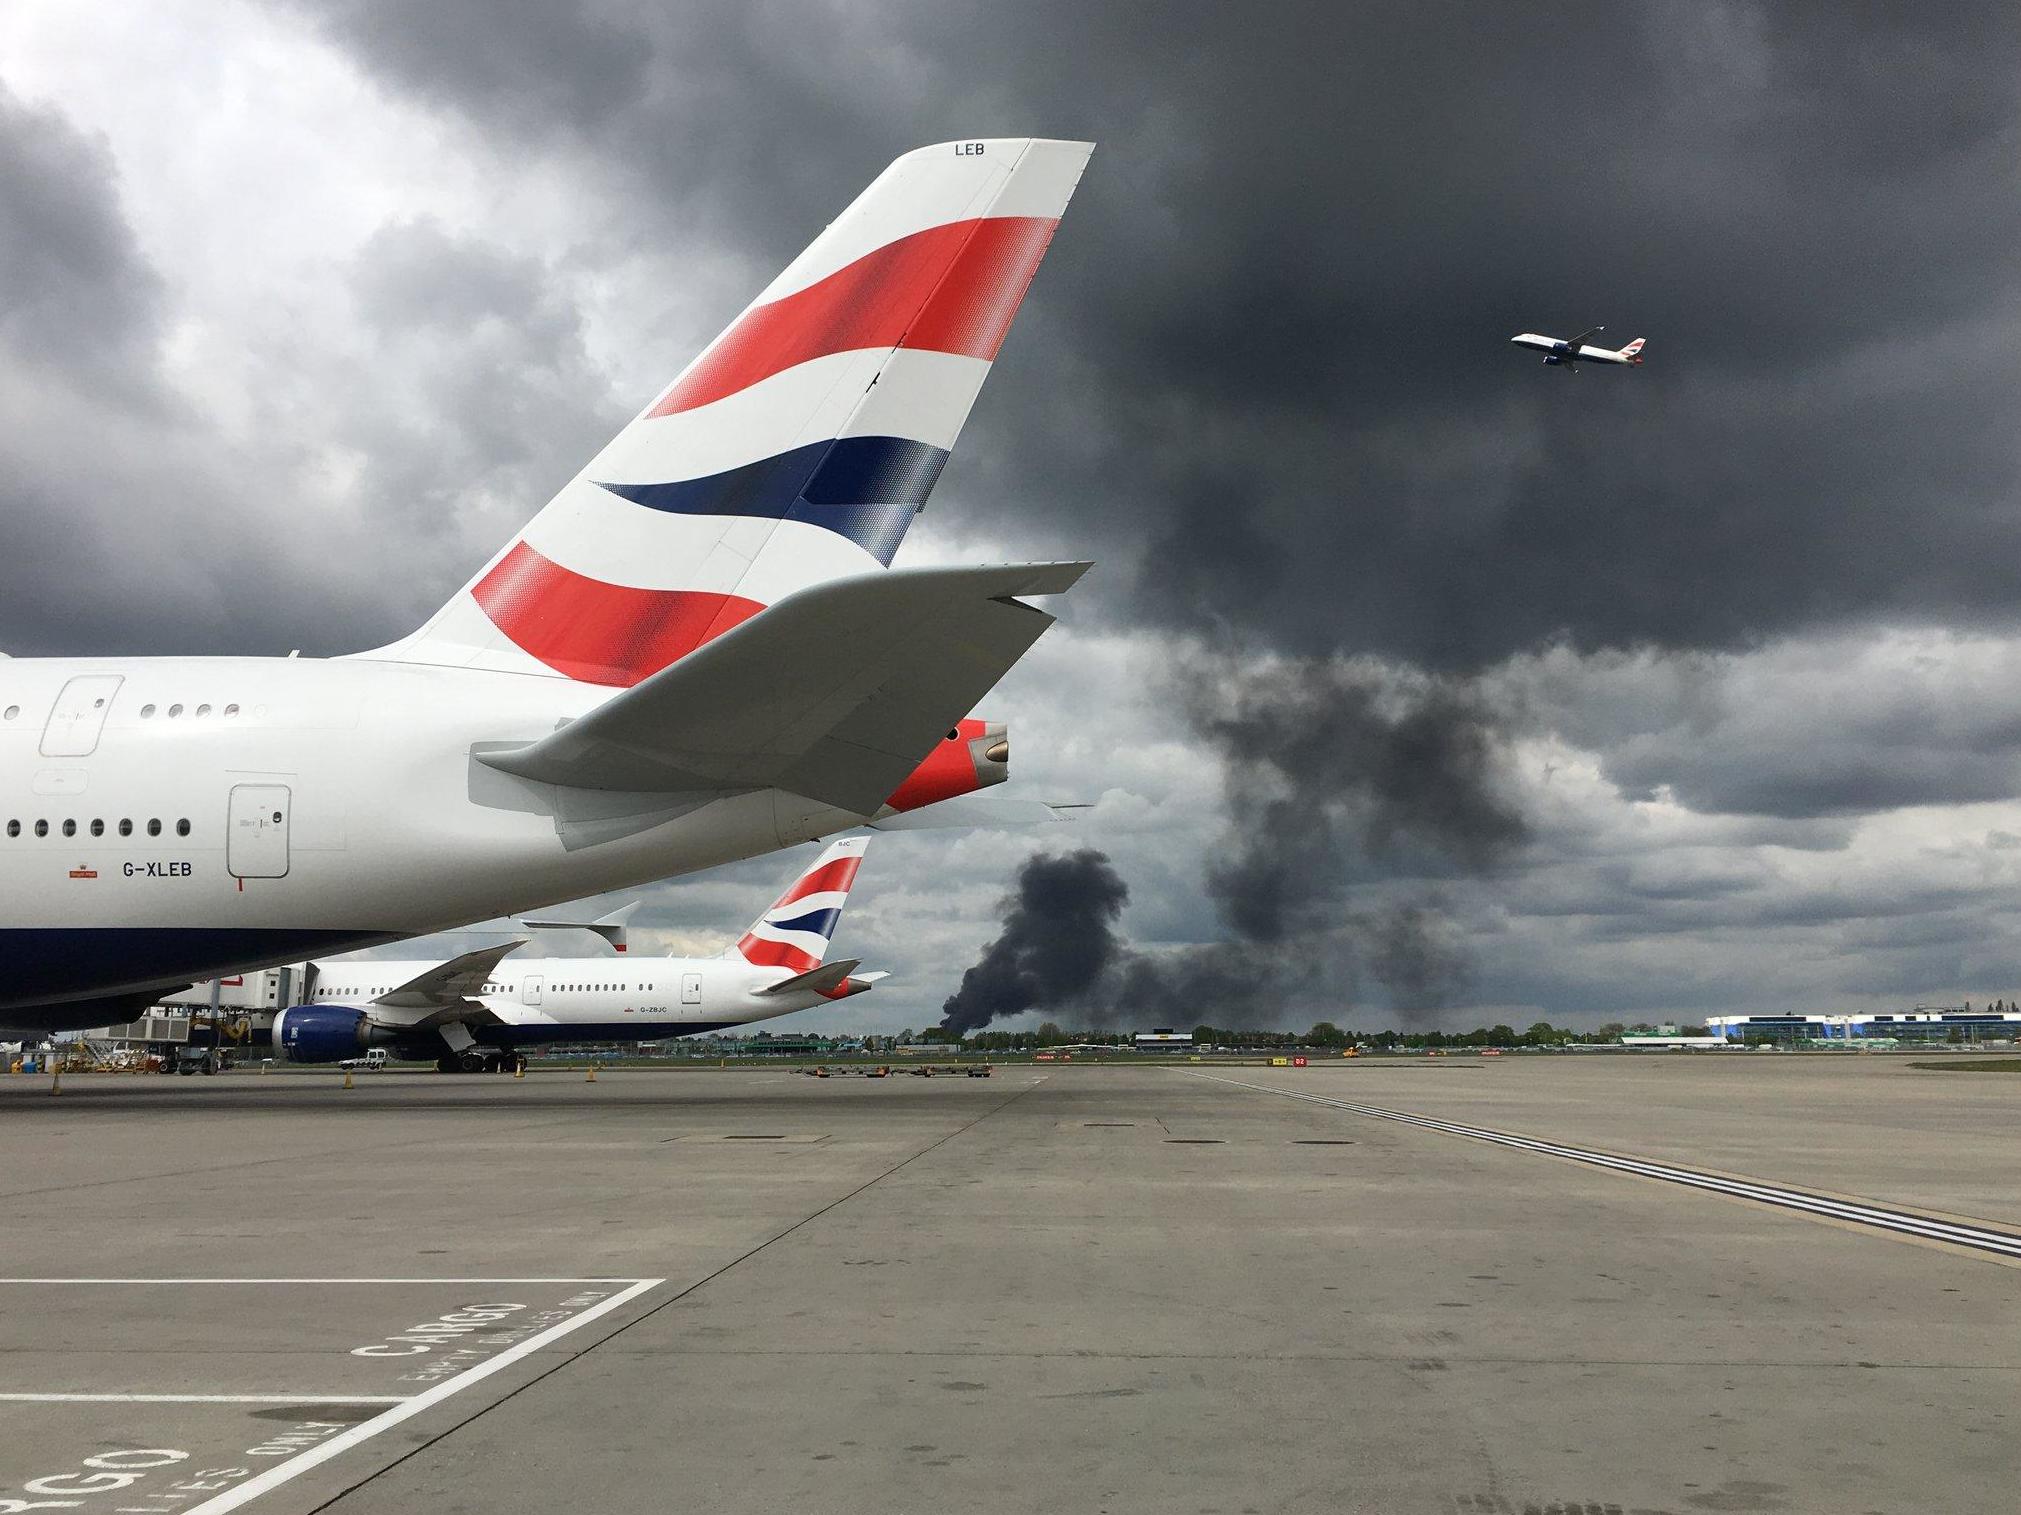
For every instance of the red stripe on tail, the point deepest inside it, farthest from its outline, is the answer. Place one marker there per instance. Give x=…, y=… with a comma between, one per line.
x=596, y=632
x=839, y=874
x=767, y=954
x=951, y=288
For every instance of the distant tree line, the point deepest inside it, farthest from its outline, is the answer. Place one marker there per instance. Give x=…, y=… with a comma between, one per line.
x=1325, y=1034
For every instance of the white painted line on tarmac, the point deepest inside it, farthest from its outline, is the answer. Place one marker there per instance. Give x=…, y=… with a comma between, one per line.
x=322, y=1452
x=179, y=1282
x=1901, y=1222
x=203, y=1399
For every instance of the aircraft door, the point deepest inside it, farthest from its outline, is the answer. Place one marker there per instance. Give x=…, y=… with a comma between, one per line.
x=256, y=834
x=529, y=990
x=691, y=988
x=79, y=715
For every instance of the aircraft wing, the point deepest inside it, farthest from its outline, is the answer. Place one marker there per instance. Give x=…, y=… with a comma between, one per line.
x=610, y=927
x=1591, y=331
x=834, y=693
x=817, y=980
x=982, y=811
x=444, y=992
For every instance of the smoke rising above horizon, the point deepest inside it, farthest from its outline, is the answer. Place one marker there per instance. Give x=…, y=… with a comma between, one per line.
x=1333, y=769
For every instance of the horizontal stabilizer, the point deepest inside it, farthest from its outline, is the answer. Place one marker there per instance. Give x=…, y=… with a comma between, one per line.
x=445, y=987
x=610, y=927
x=835, y=693
x=817, y=980
x=984, y=812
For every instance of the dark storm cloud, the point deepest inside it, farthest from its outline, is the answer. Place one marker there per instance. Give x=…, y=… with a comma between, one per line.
x=1275, y=324
x=523, y=67
x=89, y=433
x=120, y=499
x=76, y=295
x=485, y=398
x=1263, y=377
x=1836, y=726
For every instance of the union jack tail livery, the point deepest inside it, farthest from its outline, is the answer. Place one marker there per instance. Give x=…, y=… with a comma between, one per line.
x=794, y=933
x=795, y=449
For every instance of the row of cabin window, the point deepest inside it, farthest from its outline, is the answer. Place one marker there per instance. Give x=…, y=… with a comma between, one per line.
x=333, y=993
x=98, y=828
x=147, y=711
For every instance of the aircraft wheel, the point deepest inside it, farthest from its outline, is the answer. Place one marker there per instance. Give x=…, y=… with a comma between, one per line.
x=448, y=1063
x=473, y=1062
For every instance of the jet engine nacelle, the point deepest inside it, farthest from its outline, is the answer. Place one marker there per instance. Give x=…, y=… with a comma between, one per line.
x=323, y=1033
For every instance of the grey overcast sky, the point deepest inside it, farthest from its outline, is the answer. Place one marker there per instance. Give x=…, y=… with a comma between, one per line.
x=1431, y=683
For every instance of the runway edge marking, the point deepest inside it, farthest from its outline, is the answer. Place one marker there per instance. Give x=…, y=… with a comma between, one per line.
x=13, y=1398
x=322, y=1452
x=180, y=1282
x=2003, y=1244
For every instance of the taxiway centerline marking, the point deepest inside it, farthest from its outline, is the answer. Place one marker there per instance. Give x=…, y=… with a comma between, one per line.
x=202, y=1399
x=344, y=1441
x=1901, y=1222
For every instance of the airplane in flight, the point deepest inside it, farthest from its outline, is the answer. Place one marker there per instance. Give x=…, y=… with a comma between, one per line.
x=1570, y=354
x=477, y=1013
x=696, y=652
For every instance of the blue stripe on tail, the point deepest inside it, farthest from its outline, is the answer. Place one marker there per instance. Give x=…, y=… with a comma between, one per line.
x=820, y=922
x=864, y=488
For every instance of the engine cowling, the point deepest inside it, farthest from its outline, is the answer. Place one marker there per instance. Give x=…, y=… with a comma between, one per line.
x=972, y=756
x=321, y=1033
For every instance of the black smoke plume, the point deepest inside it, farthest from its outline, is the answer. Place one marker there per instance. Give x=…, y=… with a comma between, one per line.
x=1353, y=790
x=1057, y=944
x=1338, y=770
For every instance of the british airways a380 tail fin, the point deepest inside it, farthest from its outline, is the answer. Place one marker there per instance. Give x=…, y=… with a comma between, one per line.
x=794, y=933
x=796, y=449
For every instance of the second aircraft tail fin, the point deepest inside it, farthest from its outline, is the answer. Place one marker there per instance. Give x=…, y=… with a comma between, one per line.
x=794, y=933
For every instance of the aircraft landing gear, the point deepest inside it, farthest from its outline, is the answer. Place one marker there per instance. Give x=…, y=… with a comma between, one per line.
x=471, y=1060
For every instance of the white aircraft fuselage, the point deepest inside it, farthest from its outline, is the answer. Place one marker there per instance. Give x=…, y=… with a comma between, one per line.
x=1571, y=352
x=542, y=1000
x=386, y=828
x=697, y=651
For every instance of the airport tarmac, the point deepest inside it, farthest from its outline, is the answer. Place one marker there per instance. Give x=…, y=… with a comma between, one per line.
x=1163, y=1288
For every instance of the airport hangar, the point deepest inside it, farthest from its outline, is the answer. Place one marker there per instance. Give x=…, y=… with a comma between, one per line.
x=1932, y=1025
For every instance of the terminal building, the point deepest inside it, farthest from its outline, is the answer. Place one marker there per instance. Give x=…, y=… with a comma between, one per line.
x=1920, y=1025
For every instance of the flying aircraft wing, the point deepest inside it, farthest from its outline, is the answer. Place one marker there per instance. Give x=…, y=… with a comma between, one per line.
x=443, y=992
x=833, y=693
x=1591, y=331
